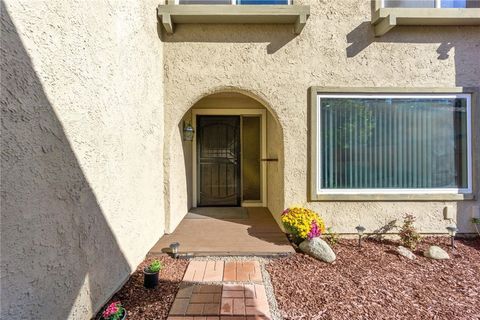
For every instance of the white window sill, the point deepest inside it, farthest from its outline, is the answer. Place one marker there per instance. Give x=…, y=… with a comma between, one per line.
x=393, y=197
x=385, y=19
x=296, y=15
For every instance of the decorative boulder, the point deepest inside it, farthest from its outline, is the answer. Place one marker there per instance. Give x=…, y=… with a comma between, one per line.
x=437, y=253
x=318, y=249
x=406, y=253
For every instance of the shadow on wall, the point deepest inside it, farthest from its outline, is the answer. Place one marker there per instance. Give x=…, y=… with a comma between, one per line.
x=59, y=257
x=465, y=49
x=187, y=158
x=276, y=36
x=463, y=44
x=379, y=233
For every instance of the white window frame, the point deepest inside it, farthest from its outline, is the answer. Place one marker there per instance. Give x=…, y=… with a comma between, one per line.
x=438, y=4
x=234, y=2
x=403, y=191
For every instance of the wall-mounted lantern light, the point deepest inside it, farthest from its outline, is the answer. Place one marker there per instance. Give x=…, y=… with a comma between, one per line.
x=188, y=132
x=360, y=230
x=452, y=231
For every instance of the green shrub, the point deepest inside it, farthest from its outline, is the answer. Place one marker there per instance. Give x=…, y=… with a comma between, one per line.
x=408, y=234
x=331, y=237
x=476, y=220
x=155, y=266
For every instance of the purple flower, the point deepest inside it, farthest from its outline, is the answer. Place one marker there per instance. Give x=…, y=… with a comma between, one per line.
x=314, y=231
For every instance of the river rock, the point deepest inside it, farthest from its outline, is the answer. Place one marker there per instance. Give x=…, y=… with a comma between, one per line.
x=437, y=253
x=406, y=253
x=318, y=249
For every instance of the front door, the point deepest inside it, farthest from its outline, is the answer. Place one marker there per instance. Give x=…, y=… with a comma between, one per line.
x=218, y=160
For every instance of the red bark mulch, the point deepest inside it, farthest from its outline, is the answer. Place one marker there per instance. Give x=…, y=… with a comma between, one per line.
x=142, y=303
x=376, y=283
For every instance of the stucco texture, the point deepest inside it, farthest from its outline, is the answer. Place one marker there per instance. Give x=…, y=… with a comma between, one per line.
x=337, y=48
x=82, y=147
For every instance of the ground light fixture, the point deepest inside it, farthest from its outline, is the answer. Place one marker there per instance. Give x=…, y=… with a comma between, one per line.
x=360, y=229
x=452, y=231
x=188, y=132
x=174, y=248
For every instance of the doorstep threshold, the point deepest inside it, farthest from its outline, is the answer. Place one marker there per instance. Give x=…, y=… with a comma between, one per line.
x=188, y=255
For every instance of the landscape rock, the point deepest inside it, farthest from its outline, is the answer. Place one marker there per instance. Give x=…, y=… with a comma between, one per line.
x=406, y=253
x=437, y=253
x=318, y=249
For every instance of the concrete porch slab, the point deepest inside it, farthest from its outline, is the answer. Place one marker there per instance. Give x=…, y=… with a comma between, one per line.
x=258, y=234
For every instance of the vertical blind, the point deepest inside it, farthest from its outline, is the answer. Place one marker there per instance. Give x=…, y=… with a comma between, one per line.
x=404, y=143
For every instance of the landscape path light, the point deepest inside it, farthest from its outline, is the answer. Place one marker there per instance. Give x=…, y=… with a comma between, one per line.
x=452, y=231
x=360, y=229
x=174, y=247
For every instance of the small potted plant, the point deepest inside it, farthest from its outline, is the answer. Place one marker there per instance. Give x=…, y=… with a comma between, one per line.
x=150, y=274
x=114, y=311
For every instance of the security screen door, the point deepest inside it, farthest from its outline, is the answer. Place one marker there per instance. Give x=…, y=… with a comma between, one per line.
x=218, y=160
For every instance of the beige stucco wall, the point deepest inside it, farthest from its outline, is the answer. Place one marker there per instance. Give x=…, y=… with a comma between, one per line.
x=82, y=146
x=275, y=188
x=336, y=48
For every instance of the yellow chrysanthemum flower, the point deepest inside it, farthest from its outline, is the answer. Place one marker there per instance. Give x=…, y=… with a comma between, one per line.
x=302, y=222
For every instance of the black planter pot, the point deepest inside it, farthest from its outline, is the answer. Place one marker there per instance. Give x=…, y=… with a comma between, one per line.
x=150, y=279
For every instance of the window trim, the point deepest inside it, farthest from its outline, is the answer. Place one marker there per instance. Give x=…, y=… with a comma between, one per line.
x=318, y=194
x=380, y=4
x=233, y=3
x=385, y=19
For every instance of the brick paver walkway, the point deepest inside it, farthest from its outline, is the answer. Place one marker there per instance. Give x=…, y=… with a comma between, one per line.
x=234, y=291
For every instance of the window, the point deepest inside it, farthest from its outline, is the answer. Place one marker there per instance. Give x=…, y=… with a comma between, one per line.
x=393, y=143
x=431, y=4
x=203, y=1
x=235, y=2
x=388, y=14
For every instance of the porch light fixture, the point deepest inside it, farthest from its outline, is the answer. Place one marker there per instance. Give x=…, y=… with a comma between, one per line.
x=188, y=132
x=360, y=229
x=174, y=248
x=452, y=231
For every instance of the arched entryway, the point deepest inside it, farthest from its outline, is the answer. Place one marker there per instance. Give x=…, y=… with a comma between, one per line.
x=230, y=171
x=236, y=155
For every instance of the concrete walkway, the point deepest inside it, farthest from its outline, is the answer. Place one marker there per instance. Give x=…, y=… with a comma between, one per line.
x=217, y=290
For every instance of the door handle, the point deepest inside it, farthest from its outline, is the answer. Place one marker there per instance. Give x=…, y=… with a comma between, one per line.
x=269, y=159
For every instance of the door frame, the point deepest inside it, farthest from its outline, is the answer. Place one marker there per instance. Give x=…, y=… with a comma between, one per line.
x=263, y=142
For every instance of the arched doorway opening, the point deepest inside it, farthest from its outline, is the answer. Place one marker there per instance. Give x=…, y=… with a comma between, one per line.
x=232, y=169
x=235, y=152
